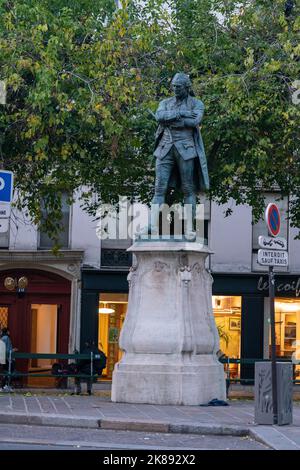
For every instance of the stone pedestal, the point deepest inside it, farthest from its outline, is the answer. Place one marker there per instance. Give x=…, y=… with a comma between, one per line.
x=169, y=337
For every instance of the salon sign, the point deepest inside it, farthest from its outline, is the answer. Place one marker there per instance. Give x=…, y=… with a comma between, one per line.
x=281, y=287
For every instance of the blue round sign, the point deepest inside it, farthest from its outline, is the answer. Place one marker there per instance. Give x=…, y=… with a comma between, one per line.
x=6, y=186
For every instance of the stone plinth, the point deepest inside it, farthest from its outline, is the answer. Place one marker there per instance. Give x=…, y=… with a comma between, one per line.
x=169, y=337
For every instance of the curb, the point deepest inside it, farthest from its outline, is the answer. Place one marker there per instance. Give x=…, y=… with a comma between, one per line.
x=49, y=420
x=210, y=429
x=169, y=428
x=269, y=436
x=276, y=442
x=123, y=425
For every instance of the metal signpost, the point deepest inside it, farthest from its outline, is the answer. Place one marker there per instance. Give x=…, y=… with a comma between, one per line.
x=277, y=257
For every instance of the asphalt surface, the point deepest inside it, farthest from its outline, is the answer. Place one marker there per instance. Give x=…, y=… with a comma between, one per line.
x=52, y=438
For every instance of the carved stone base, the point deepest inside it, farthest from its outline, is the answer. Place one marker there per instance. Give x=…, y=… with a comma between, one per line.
x=169, y=337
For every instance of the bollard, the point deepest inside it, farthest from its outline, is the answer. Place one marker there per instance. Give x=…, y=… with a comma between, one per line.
x=263, y=393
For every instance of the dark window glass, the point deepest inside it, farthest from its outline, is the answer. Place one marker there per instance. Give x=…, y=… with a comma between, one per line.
x=63, y=237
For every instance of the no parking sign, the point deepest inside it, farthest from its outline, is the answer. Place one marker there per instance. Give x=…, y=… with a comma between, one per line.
x=272, y=218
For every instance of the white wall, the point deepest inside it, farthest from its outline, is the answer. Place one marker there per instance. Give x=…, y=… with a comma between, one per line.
x=231, y=238
x=294, y=250
x=83, y=235
x=23, y=234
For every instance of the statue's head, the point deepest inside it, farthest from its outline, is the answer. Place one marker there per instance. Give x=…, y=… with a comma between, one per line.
x=181, y=84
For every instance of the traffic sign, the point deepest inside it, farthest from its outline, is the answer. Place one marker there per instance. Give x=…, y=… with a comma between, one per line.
x=272, y=218
x=273, y=258
x=6, y=186
x=277, y=243
x=279, y=258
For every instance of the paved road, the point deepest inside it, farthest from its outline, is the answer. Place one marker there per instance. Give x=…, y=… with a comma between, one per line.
x=31, y=437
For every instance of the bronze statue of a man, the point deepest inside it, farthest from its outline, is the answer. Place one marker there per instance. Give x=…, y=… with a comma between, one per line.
x=179, y=150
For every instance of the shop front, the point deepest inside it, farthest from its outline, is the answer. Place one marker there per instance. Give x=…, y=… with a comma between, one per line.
x=38, y=317
x=240, y=306
x=39, y=303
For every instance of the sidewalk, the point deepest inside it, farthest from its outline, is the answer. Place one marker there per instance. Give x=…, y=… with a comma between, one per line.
x=99, y=412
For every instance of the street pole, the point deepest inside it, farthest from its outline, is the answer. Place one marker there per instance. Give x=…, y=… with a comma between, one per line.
x=273, y=344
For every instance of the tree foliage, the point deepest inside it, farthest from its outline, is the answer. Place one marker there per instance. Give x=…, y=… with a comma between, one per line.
x=83, y=78
x=245, y=61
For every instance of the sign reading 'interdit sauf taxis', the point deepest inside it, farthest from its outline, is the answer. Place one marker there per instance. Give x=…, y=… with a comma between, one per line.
x=273, y=258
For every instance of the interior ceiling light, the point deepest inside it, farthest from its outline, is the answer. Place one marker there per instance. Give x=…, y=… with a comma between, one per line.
x=105, y=310
x=287, y=307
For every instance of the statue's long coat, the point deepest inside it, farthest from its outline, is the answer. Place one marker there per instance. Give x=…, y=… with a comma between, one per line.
x=165, y=115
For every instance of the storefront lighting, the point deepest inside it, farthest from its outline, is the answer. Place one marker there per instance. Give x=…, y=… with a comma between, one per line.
x=105, y=310
x=287, y=307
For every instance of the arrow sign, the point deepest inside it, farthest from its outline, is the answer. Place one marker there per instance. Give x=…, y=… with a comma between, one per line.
x=272, y=218
x=6, y=186
x=273, y=258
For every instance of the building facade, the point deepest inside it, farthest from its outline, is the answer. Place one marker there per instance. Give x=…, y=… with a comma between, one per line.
x=82, y=294
x=240, y=290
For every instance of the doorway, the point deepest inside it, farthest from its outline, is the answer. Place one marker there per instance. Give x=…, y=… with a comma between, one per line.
x=39, y=321
x=44, y=324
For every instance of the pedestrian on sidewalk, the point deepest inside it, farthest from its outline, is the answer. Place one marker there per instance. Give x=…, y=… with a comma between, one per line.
x=91, y=370
x=9, y=363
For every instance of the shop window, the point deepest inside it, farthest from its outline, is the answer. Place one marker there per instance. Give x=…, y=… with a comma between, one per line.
x=112, y=311
x=287, y=331
x=227, y=312
x=45, y=242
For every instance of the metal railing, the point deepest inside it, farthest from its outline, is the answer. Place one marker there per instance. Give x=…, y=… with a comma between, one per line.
x=11, y=374
x=91, y=357
x=227, y=361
